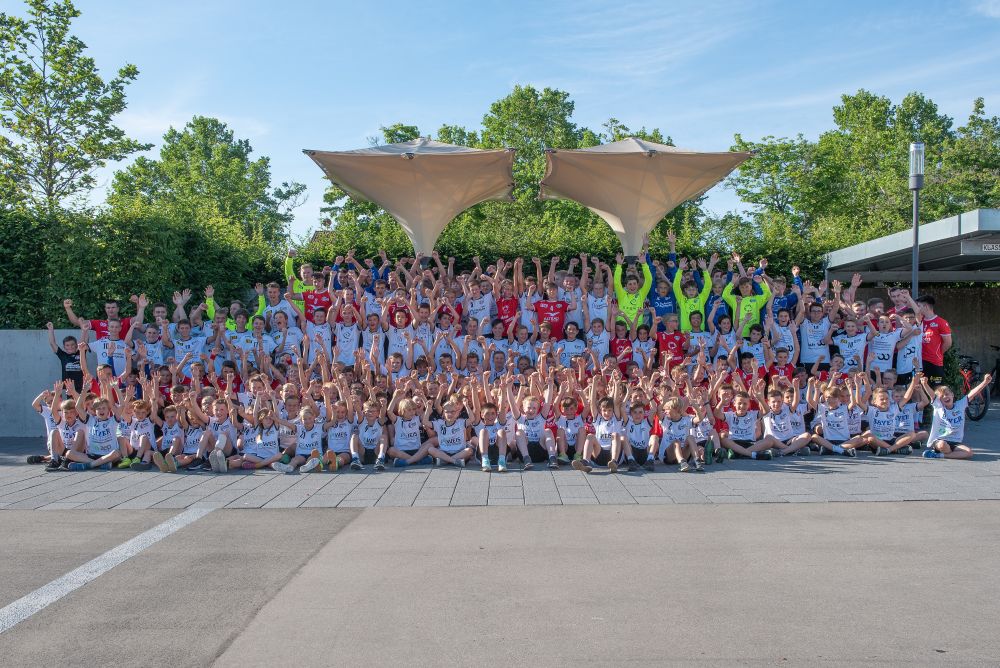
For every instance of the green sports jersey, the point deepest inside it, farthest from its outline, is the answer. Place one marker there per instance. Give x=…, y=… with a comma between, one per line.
x=631, y=303
x=298, y=287
x=688, y=305
x=750, y=307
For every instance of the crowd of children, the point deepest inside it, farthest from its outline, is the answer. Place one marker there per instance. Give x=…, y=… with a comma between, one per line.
x=374, y=363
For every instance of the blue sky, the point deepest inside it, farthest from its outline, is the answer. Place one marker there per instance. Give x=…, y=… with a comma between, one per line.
x=304, y=74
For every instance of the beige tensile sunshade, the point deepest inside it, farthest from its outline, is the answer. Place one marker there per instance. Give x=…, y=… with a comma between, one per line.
x=422, y=183
x=632, y=184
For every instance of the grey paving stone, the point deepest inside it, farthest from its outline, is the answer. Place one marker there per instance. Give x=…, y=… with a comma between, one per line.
x=365, y=494
x=470, y=500
x=323, y=501
x=356, y=503
x=147, y=500
x=512, y=479
x=614, y=499
x=542, y=499
x=802, y=498
x=493, y=501
x=716, y=498
x=506, y=493
x=435, y=502
x=442, y=478
x=579, y=500
x=654, y=500
x=60, y=505
x=436, y=493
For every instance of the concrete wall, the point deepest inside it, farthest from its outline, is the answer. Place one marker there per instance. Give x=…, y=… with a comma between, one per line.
x=27, y=366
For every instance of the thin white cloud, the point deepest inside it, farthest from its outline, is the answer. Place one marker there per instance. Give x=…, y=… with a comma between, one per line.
x=988, y=8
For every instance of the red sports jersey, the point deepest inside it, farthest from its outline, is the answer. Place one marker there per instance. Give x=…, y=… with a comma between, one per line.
x=787, y=371
x=619, y=348
x=748, y=378
x=838, y=377
x=554, y=313
x=507, y=309
x=393, y=309
x=933, y=329
x=100, y=327
x=316, y=299
x=673, y=344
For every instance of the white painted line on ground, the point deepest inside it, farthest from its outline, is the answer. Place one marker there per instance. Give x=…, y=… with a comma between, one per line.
x=26, y=606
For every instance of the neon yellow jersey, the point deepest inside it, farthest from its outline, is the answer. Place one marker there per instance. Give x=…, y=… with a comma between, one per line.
x=631, y=303
x=688, y=305
x=298, y=287
x=230, y=323
x=750, y=307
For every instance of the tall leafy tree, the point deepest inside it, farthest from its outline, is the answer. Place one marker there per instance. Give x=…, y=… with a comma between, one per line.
x=56, y=111
x=970, y=168
x=204, y=171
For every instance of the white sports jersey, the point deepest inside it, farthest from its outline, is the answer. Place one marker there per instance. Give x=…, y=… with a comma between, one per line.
x=811, y=335
x=451, y=437
x=307, y=440
x=798, y=418
x=883, y=347
x=910, y=350
x=731, y=338
x=638, y=433
x=755, y=349
x=742, y=427
x=68, y=432
x=835, y=421
x=599, y=343
x=171, y=432
x=192, y=439
x=532, y=427
x=851, y=349
x=605, y=429
x=780, y=424
x=227, y=428
x=854, y=416
x=348, y=338
x=882, y=423
x=598, y=307
x=906, y=418
x=647, y=347
x=266, y=443
x=948, y=423
x=571, y=426
x=785, y=339
x=483, y=307
x=338, y=436
x=677, y=430
x=140, y=428
x=567, y=349
x=407, y=433
x=50, y=423
x=370, y=434
x=101, y=436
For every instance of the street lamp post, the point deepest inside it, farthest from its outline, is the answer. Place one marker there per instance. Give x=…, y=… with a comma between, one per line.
x=916, y=183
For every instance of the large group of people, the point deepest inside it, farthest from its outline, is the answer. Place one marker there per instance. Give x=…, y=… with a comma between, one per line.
x=373, y=363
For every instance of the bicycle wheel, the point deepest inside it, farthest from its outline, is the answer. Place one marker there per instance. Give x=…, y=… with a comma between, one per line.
x=978, y=405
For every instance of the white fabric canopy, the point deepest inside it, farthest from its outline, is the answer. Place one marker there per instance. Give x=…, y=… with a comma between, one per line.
x=632, y=184
x=422, y=183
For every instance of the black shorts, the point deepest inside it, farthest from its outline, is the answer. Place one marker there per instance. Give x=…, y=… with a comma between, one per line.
x=537, y=453
x=934, y=374
x=603, y=457
x=904, y=378
x=641, y=455
x=742, y=442
x=368, y=456
x=409, y=453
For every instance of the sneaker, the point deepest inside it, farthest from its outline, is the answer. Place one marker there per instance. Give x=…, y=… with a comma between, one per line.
x=438, y=462
x=502, y=465
x=124, y=463
x=379, y=464
x=720, y=455
x=399, y=463
x=282, y=468
x=932, y=454
x=582, y=465
x=905, y=450
x=527, y=464
x=213, y=460
x=310, y=464
x=850, y=452
x=194, y=464
x=803, y=452
x=563, y=459
x=103, y=467
x=55, y=464
x=632, y=466
x=765, y=454
x=356, y=464
x=649, y=465
x=730, y=453
x=36, y=459
x=882, y=452
x=553, y=462
x=171, y=463
x=460, y=463
x=684, y=467
x=825, y=452
x=698, y=468
x=206, y=465
x=160, y=462
x=486, y=465
x=139, y=465
x=77, y=466
x=612, y=466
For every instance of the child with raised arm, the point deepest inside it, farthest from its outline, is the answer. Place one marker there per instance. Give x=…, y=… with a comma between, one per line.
x=948, y=424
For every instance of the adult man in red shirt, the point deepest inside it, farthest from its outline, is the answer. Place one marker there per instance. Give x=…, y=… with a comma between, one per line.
x=99, y=327
x=551, y=309
x=936, y=338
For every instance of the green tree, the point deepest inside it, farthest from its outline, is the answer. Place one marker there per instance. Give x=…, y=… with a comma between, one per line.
x=56, y=111
x=970, y=169
x=205, y=174
x=776, y=180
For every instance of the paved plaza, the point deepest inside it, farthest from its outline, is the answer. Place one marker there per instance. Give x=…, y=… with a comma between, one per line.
x=785, y=480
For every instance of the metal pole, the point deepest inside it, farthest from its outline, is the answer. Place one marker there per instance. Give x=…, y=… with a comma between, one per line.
x=914, y=279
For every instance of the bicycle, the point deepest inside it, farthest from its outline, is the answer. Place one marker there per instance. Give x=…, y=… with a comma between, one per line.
x=971, y=375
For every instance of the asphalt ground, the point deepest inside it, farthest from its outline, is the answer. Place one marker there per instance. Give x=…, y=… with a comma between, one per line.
x=792, y=584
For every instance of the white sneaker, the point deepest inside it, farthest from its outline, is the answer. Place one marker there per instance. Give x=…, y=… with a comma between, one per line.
x=282, y=468
x=213, y=460
x=223, y=462
x=309, y=465
x=460, y=463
